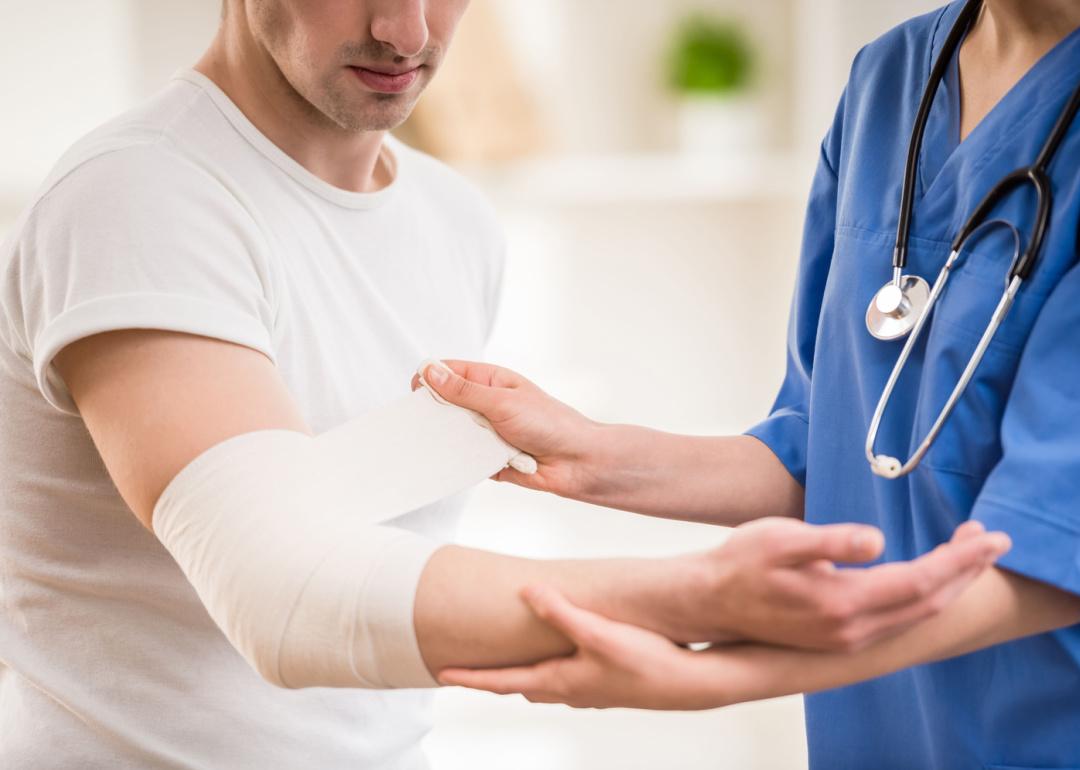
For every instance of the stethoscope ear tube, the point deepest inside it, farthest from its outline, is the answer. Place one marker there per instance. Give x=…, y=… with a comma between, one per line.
x=907, y=194
x=1038, y=179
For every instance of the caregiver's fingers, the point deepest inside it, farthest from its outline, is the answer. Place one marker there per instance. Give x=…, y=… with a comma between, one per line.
x=504, y=681
x=460, y=391
x=491, y=375
x=480, y=373
x=535, y=481
x=586, y=629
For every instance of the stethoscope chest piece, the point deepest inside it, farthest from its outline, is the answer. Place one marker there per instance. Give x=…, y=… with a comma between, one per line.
x=897, y=307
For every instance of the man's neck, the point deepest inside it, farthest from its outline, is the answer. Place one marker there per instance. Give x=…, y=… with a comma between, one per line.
x=346, y=159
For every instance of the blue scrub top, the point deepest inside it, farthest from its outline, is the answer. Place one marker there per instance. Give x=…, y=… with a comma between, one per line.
x=1009, y=455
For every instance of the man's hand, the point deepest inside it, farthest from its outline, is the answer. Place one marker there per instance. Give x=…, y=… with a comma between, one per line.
x=775, y=581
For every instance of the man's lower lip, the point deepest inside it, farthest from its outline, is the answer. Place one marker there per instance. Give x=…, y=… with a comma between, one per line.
x=387, y=84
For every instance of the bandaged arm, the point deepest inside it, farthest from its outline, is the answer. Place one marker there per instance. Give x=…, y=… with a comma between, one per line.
x=310, y=592
x=206, y=446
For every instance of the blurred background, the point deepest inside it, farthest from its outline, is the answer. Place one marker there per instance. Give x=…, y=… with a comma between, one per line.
x=650, y=161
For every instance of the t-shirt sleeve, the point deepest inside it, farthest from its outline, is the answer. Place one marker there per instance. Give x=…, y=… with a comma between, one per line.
x=1033, y=493
x=139, y=238
x=785, y=430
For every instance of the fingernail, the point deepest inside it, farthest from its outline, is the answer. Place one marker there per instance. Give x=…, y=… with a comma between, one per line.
x=435, y=374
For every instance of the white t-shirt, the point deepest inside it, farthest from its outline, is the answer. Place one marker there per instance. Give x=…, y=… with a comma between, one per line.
x=182, y=216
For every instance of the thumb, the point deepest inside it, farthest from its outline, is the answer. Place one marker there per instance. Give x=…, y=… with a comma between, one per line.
x=585, y=629
x=455, y=389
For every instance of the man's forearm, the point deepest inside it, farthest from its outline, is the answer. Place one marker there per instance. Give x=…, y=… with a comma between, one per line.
x=717, y=479
x=998, y=607
x=469, y=611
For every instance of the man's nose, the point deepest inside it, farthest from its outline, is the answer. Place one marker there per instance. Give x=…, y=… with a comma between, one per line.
x=401, y=24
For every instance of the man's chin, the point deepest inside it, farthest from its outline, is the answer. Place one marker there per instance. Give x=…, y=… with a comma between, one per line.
x=384, y=112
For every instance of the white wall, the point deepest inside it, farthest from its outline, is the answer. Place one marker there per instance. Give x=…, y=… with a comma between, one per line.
x=65, y=65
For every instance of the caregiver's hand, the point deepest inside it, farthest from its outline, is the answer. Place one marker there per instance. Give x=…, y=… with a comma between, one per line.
x=775, y=581
x=714, y=479
x=557, y=436
x=615, y=664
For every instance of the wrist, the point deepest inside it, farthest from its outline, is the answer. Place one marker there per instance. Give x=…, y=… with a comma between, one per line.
x=689, y=604
x=706, y=599
x=606, y=463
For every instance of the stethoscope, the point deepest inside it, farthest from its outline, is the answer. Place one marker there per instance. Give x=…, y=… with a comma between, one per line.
x=903, y=306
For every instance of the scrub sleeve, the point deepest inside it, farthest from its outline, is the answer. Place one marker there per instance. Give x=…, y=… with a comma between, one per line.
x=785, y=431
x=1033, y=493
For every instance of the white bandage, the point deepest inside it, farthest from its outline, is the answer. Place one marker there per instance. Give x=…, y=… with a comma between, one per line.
x=525, y=463
x=279, y=534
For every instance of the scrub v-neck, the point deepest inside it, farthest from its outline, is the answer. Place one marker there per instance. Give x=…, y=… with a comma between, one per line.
x=942, y=148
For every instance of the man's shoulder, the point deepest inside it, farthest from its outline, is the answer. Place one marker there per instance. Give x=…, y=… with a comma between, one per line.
x=136, y=146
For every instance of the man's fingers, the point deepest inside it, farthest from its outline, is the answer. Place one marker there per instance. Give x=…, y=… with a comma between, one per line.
x=891, y=585
x=968, y=529
x=834, y=542
x=887, y=623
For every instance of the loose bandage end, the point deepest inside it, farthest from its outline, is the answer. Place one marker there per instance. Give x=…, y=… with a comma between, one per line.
x=521, y=462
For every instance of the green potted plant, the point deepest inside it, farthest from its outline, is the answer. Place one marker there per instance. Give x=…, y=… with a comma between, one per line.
x=710, y=70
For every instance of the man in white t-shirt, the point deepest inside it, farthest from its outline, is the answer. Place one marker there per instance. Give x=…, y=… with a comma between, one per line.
x=250, y=252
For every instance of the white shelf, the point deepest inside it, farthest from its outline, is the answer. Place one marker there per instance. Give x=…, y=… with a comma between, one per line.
x=647, y=178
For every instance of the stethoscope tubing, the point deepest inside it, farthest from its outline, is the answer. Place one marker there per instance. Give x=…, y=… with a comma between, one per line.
x=1020, y=270
x=890, y=467
x=918, y=130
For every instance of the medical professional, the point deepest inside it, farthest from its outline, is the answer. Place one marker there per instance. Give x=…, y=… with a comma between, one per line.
x=993, y=680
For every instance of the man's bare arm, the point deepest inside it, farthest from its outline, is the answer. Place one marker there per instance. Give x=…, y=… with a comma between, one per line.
x=616, y=664
x=154, y=401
